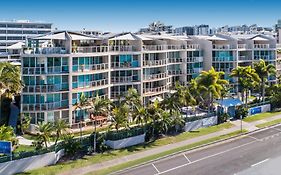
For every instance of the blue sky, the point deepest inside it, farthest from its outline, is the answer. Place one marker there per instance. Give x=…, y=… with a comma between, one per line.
x=130, y=15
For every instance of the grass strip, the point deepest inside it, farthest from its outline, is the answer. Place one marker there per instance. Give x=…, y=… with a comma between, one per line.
x=261, y=116
x=274, y=122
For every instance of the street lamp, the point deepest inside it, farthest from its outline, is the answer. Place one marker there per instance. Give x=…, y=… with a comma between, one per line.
x=241, y=122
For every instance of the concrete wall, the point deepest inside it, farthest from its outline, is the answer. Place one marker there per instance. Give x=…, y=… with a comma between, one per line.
x=117, y=144
x=206, y=122
x=259, y=109
x=30, y=163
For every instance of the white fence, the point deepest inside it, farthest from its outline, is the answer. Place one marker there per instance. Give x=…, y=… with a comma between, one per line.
x=123, y=143
x=201, y=123
x=30, y=163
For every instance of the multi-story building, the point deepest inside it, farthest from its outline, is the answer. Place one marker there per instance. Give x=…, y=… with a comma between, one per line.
x=12, y=32
x=56, y=73
x=187, y=30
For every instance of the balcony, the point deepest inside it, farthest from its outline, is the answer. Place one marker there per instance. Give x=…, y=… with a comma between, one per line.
x=264, y=57
x=170, y=47
x=228, y=70
x=262, y=46
x=157, y=90
x=45, y=50
x=45, y=88
x=194, y=70
x=45, y=106
x=244, y=58
x=132, y=64
x=95, y=67
x=175, y=60
x=227, y=58
x=194, y=59
x=223, y=47
x=90, y=84
x=124, y=79
x=155, y=76
x=90, y=49
x=120, y=48
x=42, y=70
x=154, y=62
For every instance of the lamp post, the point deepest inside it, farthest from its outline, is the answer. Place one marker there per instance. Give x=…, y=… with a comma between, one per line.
x=241, y=122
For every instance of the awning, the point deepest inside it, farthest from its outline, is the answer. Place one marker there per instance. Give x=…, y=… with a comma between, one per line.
x=52, y=36
x=229, y=102
x=258, y=38
x=127, y=36
x=16, y=46
x=216, y=38
x=153, y=99
x=144, y=38
x=81, y=37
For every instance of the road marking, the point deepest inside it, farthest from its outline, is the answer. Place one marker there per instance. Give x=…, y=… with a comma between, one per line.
x=187, y=158
x=155, y=168
x=254, y=138
x=276, y=129
x=210, y=156
x=259, y=162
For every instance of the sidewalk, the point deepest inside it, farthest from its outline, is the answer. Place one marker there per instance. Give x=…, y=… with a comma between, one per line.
x=237, y=125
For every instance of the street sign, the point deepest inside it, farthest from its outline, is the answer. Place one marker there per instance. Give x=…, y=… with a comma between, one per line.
x=5, y=147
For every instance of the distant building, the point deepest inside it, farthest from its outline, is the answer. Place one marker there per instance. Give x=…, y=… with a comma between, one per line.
x=12, y=32
x=188, y=30
x=157, y=27
x=278, y=25
x=202, y=29
x=91, y=32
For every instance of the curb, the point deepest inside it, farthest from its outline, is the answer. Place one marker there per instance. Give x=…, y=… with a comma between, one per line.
x=194, y=148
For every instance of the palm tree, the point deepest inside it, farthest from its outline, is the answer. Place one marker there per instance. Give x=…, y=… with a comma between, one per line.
x=140, y=115
x=44, y=132
x=81, y=104
x=177, y=120
x=7, y=133
x=164, y=122
x=212, y=83
x=99, y=106
x=119, y=116
x=154, y=112
x=133, y=100
x=264, y=71
x=59, y=128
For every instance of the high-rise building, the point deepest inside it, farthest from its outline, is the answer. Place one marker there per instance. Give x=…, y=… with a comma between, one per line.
x=187, y=30
x=12, y=32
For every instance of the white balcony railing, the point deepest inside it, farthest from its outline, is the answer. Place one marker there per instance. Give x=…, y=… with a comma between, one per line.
x=154, y=62
x=261, y=46
x=90, y=49
x=244, y=58
x=155, y=76
x=90, y=84
x=175, y=60
x=120, y=48
x=151, y=91
x=45, y=88
x=223, y=47
x=45, y=50
x=125, y=79
x=63, y=104
x=194, y=59
x=175, y=72
x=170, y=47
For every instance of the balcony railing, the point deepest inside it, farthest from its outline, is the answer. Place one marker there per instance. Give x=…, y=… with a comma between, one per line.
x=42, y=70
x=264, y=57
x=155, y=76
x=125, y=64
x=229, y=58
x=261, y=46
x=120, y=48
x=45, y=106
x=96, y=83
x=194, y=59
x=223, y=47
x=124, y=79
x=84, y=68
x=154, y=62
x=175, y=60
x=45, y=88
x=90, y=49
x=45, y=50
x=161, y=89
x=194, y=70
x=244, y=58
x=170, y=47
x=175, y=72
x=228, y=70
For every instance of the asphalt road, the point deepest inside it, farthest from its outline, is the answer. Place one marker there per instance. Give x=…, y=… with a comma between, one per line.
x=255, y=154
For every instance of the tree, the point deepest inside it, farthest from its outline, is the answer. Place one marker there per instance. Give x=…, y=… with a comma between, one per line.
x=7, y=134
x=154, y=112
x=119, y=116
x=44, y=132
x=71, y=146
x=140, y=115
x=212, y=83
x=133, y=100
x=81, y=104
x=25, y=122
x=164, y=122
x=99, y=106
x=59, y=128
x=264, y=70
x=177, y=121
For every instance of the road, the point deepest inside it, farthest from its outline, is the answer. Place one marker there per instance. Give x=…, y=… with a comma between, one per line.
x=258, y=153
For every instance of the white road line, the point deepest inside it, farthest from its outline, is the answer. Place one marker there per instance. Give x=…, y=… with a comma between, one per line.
x=259, y=162
x=213, y=155
x=254, y=138
x=186, y=158
x=155, y=168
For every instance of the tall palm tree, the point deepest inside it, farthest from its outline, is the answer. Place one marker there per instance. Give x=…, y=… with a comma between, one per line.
x=119, y=116
x=212, y=83
x=177, y=120
x=247, y=79
x=264, y=71
x=59, y=128
x=154, y=111
x=164, y=122
x=133, y=100
x=81, y=104
x=99, y=106
x=44, y=132
x=140, y=116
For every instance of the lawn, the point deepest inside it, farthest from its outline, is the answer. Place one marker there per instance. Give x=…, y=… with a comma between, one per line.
x=87, y=160
x=153, y=157
x=24, y=148
x=260, y=116
x=263, y=125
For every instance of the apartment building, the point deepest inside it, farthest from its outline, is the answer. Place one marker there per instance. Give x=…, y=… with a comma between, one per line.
x=68, y=64
x=12, y=32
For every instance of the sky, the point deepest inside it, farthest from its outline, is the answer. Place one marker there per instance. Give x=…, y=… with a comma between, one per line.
x=130, y=15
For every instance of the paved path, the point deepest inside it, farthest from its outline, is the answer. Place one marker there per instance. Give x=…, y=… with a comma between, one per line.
x=243, y=156
x=24, y=141
x=142, y=154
